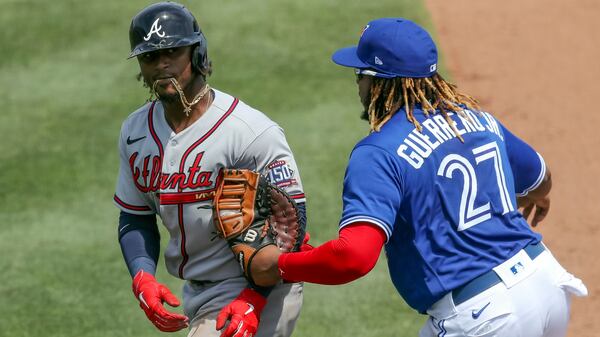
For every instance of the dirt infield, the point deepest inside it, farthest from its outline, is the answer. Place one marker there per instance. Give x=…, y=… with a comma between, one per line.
x=536, y=65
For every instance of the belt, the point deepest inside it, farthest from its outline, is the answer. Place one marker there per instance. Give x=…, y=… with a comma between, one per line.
x=204, y=283
x=489, y=279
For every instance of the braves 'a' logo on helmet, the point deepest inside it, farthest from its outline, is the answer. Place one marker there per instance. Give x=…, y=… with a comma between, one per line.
x=154, y=29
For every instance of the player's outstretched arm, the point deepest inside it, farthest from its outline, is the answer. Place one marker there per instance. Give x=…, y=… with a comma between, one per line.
x=352, y=255
x=537, y=201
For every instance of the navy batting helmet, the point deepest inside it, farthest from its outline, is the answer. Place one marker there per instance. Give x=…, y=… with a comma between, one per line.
x=167, y=25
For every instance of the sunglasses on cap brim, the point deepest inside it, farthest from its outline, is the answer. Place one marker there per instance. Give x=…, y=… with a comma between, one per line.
x=368, y=72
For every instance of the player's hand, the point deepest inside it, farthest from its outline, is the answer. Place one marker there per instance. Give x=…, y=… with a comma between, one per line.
x=539, y=206
x=151, y=296
x=264, y=268
x=305, y=245
x=243, y=314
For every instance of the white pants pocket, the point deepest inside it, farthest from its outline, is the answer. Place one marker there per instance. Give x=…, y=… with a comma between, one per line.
x=488, y=316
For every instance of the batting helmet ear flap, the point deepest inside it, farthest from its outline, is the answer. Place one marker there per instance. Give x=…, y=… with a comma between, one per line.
x=200, y=60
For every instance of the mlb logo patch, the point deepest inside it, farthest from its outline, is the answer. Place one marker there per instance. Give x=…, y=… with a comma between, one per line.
x=517, y=268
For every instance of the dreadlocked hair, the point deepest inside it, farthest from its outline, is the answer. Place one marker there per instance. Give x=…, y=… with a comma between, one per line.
x=433, y=93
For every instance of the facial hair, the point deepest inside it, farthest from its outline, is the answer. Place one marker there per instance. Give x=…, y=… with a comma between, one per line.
x=163, y=97
x=365, y=113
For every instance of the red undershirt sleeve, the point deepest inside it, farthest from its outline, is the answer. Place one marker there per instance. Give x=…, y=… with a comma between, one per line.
x=338, y=261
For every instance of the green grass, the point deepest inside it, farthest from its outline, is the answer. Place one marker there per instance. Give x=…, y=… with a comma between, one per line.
x=66, y=87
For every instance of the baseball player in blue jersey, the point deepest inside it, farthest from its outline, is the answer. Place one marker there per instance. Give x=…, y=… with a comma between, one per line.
x=439, y=183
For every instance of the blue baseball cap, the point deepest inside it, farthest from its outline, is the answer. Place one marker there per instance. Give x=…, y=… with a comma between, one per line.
x=391, y=47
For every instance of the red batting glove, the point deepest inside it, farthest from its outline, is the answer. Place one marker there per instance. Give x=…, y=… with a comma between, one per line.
x=152, y=295
x=243, y=314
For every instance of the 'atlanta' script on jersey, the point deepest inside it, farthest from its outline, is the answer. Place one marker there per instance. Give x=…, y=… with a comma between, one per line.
x=152, y=179
x=417, y=146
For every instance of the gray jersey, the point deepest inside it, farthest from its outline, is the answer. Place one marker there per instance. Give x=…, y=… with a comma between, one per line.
x=174, y=176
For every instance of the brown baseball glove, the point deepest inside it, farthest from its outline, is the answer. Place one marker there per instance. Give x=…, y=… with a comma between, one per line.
x=251, y=214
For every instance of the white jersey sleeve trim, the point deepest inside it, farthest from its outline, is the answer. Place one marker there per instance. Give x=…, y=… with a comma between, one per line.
x=539, y=179
x=375, y=221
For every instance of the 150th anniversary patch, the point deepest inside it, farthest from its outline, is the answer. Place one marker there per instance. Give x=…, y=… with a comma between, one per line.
x=281, y=174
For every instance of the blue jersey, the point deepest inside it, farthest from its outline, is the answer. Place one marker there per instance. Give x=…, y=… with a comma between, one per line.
x=448, y=208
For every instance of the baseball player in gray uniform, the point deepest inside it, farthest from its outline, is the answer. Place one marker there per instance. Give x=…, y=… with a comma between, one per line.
x=171, y=153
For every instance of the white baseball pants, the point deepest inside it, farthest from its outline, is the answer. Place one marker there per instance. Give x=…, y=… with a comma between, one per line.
x=535, y=304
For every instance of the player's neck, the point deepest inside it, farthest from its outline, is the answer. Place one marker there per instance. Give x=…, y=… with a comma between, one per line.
x=175, y=112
